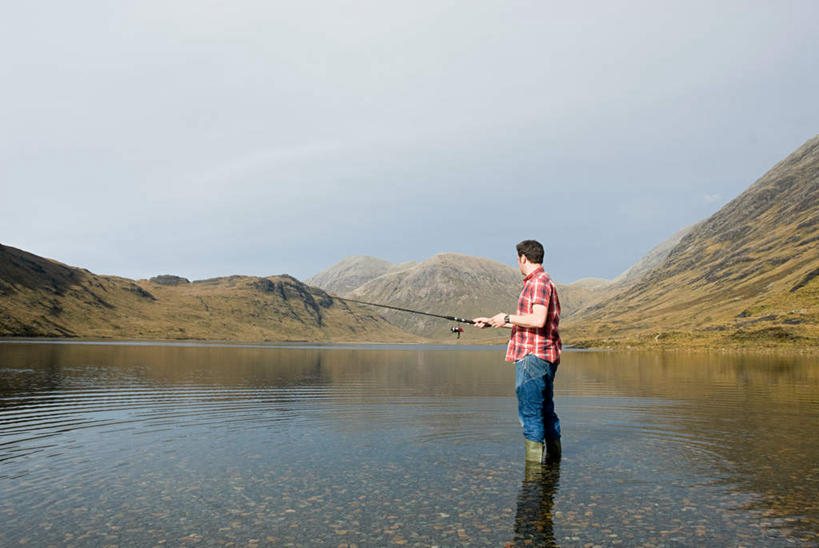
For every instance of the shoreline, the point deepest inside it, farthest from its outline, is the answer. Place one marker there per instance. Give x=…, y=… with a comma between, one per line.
x=584, y=345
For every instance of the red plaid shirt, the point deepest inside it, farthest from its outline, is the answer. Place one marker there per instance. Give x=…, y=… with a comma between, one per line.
x=544, y=342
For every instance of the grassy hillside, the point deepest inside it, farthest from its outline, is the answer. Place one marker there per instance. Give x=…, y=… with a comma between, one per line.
x=578, y=296
x=460, y=285
x=44, y=298
x=747, y=276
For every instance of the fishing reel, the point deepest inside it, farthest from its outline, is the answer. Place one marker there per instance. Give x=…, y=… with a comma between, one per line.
x=457, y=329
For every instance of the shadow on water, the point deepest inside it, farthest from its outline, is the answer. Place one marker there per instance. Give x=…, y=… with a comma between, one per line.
x=533, y=518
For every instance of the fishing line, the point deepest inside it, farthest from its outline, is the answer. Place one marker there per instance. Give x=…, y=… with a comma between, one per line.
x=450, y=318
x=457, y=329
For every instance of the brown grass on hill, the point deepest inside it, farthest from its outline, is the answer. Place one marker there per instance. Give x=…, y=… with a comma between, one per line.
x=44, y=298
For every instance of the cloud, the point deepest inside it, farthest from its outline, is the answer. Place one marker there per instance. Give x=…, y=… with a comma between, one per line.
x=205, y=138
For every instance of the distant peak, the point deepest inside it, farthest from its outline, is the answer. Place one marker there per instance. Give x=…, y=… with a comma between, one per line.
x=169, y=279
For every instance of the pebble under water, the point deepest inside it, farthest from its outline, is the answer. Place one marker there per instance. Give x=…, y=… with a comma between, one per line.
x=151, y=444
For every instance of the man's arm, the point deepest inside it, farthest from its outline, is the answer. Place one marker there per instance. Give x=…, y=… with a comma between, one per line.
x=534, y=320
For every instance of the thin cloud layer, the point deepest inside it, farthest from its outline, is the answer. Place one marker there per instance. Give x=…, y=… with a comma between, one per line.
x=206, y=139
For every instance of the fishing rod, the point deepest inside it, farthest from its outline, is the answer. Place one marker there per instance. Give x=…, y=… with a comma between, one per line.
x=457, y=329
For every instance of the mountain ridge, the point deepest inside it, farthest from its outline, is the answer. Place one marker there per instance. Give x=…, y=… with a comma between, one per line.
x=353, y=271
x=748, y=271
x=712, y=266
x=446, y=282
x=746, y=276
x=40, y=297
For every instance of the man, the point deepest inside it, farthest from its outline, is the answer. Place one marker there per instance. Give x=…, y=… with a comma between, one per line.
x=534, y=346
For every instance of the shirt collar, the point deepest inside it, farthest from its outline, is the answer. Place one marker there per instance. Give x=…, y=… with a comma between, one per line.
x=532, y=273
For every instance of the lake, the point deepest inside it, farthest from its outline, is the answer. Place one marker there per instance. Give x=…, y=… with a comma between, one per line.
x=144, y=444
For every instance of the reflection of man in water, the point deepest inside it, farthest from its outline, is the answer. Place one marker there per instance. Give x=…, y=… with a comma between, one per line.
x=534, y=346
x=533, y=519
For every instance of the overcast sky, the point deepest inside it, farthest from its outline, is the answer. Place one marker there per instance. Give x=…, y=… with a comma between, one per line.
x=204, y=138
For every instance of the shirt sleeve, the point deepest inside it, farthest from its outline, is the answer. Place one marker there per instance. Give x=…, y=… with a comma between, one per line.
x=541, y=294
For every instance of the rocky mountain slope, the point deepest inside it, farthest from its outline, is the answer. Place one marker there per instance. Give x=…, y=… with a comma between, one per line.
x=749, y=272
x=448, y=284
x=650, y=260
x=44, y=298
x=588, y=292
x=748, y=275
x=353, y=272
x=464, y=286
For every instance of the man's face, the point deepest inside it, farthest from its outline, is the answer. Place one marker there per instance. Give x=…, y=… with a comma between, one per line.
x=522, y=263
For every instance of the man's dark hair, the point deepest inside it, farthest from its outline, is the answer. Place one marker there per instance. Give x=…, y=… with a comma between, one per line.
x=532, y=249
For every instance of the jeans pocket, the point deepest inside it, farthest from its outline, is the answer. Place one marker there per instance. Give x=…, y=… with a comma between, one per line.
x=530, y=367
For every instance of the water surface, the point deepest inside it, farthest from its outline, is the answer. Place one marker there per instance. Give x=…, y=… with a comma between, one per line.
x=142, y=444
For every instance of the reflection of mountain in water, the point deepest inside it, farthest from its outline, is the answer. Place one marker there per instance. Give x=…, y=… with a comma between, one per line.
x=753, y=417
x=645, y=434
x=105, y=384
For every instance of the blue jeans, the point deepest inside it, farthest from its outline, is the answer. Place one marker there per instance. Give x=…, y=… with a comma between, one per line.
x=534, y=385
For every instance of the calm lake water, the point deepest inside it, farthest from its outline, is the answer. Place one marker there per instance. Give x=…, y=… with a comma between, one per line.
x=146, y=444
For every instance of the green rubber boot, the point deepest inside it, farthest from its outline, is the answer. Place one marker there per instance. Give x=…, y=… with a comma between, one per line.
x=553, y=451
x=534, y=451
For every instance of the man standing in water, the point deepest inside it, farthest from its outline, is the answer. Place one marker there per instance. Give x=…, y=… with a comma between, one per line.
x=534, y=346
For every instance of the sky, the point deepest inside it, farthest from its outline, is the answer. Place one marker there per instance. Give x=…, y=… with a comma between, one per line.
x=203, y=138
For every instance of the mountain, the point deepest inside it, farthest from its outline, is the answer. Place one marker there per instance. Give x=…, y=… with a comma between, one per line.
x=448, y=284
x=44, y=298
x=581, y=294
x=352, y=272
x=749, y=274
x=460, y=285
x=651, y=260
x=587, y=292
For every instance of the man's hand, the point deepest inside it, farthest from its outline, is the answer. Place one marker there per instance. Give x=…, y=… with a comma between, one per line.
x=494, y=321
x=481, y=323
